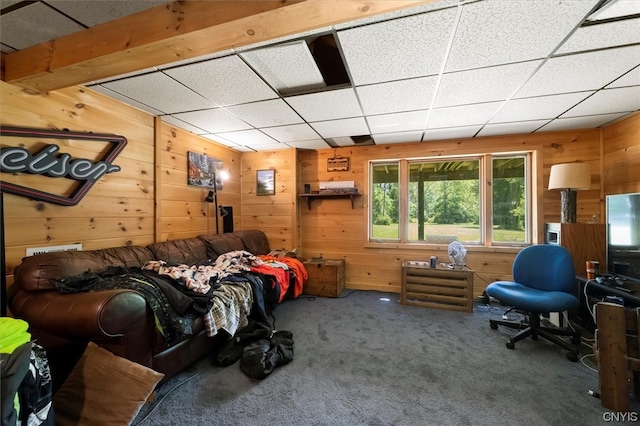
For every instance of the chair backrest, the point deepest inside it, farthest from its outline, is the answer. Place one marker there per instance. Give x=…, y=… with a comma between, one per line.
x=545, y=267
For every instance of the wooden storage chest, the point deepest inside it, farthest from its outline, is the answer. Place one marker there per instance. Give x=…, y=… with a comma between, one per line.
x=437, y=287
x=326, y=277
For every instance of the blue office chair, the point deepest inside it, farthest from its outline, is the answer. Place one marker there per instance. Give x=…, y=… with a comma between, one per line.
x=544, y=279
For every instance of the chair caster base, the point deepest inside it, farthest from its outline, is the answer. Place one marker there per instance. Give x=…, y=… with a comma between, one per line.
x=511, y=345
x=572, y=356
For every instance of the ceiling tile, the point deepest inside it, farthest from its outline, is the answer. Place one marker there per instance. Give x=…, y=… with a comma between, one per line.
x=415, y=10
x=337, y=128
x=392, y=123
x=344, y=141
x=462, y=115
x=413, y=46
x=248, y=137
x=542, y=107
x=225, y=81
x=616, y=9
x=632, y=78
x=221, y=141
x=269, y=146
x=214, y=120
x=311, y=144
x=623, y=99
x=182, y=124
x=328, y=105
x=498, y=32
x=584, y=71
x=397, y=96
x=125, y=99
x=243, y=148
x=451, y=133
x=293, y=133
x=603, y=35
x=514, y=128
x=580, y=122
x=34, y=24
x=274, y=112
x=483, y=85
x=101, y=11
x=287, y=67
x=400, y=137
x=160, y=92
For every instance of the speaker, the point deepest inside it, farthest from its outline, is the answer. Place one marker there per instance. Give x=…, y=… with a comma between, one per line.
x=227, y=218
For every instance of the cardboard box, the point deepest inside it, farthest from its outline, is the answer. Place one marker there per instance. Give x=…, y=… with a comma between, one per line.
x=326, y=277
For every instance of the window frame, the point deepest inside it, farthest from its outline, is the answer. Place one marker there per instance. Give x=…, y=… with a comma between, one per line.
x=532, y=182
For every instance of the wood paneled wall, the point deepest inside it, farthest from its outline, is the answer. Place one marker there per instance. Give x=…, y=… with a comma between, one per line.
x=332, y=229
x=148, y=200
x=277, y=214
x=621, y=153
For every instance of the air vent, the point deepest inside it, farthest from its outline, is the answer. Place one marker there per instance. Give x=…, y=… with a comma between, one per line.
x=39, y=250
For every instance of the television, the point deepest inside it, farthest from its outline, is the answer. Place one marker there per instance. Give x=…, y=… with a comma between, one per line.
x=623, y=235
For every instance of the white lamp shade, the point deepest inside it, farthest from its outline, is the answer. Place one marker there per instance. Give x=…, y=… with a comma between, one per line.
x=573, y=176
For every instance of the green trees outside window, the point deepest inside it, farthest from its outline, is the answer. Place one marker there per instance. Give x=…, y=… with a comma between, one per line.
x=443, y=200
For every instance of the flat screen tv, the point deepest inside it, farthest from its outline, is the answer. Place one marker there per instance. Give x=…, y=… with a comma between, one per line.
x=623, y=235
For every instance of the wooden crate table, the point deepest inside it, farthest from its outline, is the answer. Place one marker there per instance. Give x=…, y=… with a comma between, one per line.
x=437, y=287
x=326, y=277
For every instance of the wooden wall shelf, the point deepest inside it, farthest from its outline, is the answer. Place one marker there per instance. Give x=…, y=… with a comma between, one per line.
x=311, y=197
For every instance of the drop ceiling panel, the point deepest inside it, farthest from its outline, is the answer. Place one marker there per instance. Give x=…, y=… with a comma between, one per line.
x=400, y=137
x=221, y=141
x=580, y=122
x=543, y=107
x=451, y=133
x=225, y=81
x=462, y=115
x=496, y=32
x=337, y=128
x=511, y=128
x=615, y=9
x=344, y=141
x=293, y=133
x=413, y=46
x=632, y=78
x=401, y=122
x=160, y=92
x=248, y=137
x=274, y=112
x=214, y=120
x=269, y=147
x=183, y=125
x=602, y=35
x=397, y=96
x=34, y=24
x=287, y=67
x=623, y=99
x=126, y=100
x=585, y=71
x=329, y=105
x=310, y=144
x=483, y=85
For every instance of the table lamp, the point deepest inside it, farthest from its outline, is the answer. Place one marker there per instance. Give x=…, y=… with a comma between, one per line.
x=569, y=177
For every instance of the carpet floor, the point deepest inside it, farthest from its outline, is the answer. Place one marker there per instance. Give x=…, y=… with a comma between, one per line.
x=365, y=359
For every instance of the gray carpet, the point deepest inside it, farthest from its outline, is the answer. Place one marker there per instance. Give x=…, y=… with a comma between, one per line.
x=363, y=360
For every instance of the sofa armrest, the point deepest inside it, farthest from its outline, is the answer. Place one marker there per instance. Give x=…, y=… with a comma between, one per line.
x=87, y=315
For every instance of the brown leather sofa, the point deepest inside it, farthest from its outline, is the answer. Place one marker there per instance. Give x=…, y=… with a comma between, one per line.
x=117, y=320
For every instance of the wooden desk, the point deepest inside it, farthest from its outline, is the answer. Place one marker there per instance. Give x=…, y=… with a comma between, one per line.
x=437, y=287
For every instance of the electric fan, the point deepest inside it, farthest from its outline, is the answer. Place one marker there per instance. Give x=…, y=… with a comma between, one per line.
x=457, y=254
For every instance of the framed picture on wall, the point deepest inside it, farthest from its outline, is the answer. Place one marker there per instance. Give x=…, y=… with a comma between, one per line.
x=266, y=182
x=203, y=170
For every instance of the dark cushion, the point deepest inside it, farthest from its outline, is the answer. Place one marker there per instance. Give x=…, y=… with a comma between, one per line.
x=187, y=251
x=218, y=244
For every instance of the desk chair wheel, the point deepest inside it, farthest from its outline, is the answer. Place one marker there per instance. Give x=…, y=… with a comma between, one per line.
x=572, y=356
x=511, y=345
x=575, y=339
x=493, y=325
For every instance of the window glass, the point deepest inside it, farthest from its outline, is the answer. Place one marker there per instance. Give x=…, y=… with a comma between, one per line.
x=444, y=201
x=509, y=200
x=384, y=201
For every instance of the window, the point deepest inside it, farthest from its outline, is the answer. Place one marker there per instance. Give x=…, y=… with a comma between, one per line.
x=480, y=199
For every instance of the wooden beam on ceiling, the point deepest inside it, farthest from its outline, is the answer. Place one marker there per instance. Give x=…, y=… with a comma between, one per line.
x=174, y=32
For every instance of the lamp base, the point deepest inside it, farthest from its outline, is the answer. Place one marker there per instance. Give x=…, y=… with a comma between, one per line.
x=568, y=206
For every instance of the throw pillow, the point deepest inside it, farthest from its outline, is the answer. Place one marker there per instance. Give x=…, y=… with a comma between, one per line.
x=103, y=389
